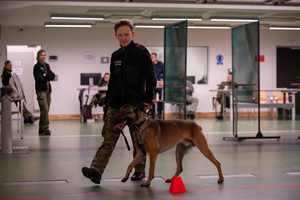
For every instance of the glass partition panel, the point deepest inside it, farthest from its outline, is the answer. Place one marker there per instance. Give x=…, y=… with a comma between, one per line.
x=245, y=64
x=245, y=61
x=175, y=50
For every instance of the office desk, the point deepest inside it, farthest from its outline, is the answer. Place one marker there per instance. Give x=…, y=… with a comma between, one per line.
x=298, y=84
x=264, y=105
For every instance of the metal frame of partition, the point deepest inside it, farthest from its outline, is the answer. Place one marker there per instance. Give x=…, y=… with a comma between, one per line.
x=175, y=61
x=246, y=73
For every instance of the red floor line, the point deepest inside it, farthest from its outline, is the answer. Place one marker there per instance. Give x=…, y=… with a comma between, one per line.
x=146, y=192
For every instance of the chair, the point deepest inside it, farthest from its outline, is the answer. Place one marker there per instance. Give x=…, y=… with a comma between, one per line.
x=178, y=108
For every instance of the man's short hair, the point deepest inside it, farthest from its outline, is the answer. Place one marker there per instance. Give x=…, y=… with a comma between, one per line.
x=123, y=22
x=230, y=73
x=154, y=54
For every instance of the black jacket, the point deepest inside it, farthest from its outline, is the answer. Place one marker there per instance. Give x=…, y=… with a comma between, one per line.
x=132, y=77
x=6, y=75
x=42, y=82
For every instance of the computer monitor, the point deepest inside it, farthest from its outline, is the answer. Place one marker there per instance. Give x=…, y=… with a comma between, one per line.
x=84, y=78
x=191, y=78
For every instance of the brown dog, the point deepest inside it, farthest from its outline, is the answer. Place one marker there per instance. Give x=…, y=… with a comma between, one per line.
x=155, y=136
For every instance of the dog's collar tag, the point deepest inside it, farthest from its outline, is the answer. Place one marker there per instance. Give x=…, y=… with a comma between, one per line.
x=139, y=125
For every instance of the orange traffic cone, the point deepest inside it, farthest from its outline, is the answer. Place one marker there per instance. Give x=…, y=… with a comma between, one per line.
x=177, y=186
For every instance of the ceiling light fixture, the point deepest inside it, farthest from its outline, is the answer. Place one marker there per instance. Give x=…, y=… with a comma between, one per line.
x=176, y=18
x=229, y=19
x=191, y=27
x=209, y=27
x=77, y=17
x=284, y=28
x=69, y=25
x=149, y=26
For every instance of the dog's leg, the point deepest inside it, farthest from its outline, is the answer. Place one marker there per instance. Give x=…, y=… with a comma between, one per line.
x=152, y=156
x=138, y=157
x=201, y=142
x=181, y=150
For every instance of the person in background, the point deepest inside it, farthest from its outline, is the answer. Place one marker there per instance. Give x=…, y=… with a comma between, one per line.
x=6, y=82
x=193, y=101
x=42, y=76
x=227, y=95
x=132, y=79
x=98, y=99
x=159, y=71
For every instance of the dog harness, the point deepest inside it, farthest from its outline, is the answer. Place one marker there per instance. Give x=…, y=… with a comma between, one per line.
x=139, y=125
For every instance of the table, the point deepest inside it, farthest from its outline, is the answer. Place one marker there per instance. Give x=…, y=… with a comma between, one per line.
x=296, y=84
x=265, y=105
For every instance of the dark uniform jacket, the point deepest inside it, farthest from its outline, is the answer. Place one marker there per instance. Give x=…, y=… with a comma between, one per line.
x=159, y=70
x=6, y=76
x=42, y=82
x=132, y=77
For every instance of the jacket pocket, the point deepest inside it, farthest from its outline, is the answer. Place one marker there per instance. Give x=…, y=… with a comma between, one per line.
x=131, y=76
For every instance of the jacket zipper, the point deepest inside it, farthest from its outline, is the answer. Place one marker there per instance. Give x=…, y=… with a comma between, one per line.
x=122, y=99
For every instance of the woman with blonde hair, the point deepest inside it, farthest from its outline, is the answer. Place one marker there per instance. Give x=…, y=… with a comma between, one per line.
x=42, y=76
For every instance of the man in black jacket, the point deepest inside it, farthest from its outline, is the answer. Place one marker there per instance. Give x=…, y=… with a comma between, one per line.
x=132, y=80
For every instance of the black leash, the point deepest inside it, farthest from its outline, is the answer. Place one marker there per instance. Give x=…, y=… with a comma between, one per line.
x=128, y=147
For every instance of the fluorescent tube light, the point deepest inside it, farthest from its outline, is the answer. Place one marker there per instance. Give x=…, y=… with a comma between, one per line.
x=68, y=25
x=176, y=18
x=228, y=19
x=148, y=26
x=77, y=17
x=209, y=27
x=192, y=27
x=284, y=28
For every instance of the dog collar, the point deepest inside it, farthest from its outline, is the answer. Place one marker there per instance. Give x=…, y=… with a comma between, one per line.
x=139, y=125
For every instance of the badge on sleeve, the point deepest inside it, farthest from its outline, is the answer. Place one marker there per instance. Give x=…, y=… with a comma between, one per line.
x=117, y=63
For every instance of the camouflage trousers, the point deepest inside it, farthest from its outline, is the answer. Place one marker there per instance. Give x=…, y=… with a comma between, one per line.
x=44, y=99
x=110, y=139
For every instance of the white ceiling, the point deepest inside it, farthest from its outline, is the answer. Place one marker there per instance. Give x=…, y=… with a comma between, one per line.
x=36, y=13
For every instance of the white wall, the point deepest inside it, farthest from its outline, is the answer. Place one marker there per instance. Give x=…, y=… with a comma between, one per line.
x=69, y=44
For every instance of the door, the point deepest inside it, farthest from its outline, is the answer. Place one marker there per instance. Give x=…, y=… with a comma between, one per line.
x=288, y=70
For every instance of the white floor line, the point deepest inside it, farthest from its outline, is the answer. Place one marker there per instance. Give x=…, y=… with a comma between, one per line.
x=34, y=182
x=127, y=134
x=292, y=173
x=119, y=179
x=227, y=176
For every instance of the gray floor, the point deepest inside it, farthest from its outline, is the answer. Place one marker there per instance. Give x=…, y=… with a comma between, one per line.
x=72, y=145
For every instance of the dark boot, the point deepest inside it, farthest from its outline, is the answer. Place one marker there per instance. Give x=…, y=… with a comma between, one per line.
x=32, y=119
x=91, y=174
x=137, y=176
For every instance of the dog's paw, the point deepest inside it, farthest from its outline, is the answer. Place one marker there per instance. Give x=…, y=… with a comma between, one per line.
x=124, y=179
x=220, y=180
x=168, y=180
x=145, y=184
